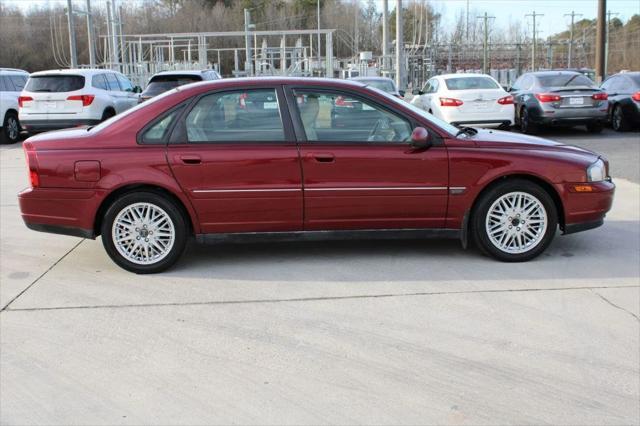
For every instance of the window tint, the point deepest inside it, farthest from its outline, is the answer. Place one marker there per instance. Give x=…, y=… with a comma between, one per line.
x=158, y=131
x=241, y=116
x=4, y=84
x=335, y=117
x=112, y=81
x=99, y=82
x=125, y=84
x=162, y=83
x=470, y=83
x=434, y=85
x=55, y=83
x=635, y=78
x=18, y=82
x=564, y=80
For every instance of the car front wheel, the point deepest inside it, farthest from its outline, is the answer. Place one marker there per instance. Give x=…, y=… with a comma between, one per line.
x=514, y=221
x=526, y=126
x=144, y=232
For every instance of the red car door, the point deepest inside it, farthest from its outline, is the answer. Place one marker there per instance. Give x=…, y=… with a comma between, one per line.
x=360, y=171
x=237, y=160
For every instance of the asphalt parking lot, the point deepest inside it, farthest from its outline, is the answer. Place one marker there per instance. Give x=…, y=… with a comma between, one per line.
x=373, y=332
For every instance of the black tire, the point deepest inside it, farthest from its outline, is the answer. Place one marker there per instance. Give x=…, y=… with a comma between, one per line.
x=594, y=127
x=175, y=215
x=10, y=128
x=481, y=210
x=526, y=125
x=618, y=122
x=107, y=114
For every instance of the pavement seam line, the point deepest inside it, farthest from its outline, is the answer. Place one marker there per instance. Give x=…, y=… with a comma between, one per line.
x=5, y=307
x=613, y=304
x=305, y=299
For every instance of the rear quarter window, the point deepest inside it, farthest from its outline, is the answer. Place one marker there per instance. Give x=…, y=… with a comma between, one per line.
x=55, y=83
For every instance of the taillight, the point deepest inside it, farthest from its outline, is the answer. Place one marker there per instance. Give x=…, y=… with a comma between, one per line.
x=23, y=99
x=450, y=102
x=636, y=96
x=547, y=97
x=86, y=99
x=507, y=100
x=601, y=96
x=32, y=164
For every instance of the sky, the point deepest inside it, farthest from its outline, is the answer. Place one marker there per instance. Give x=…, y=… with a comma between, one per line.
x=552, y=22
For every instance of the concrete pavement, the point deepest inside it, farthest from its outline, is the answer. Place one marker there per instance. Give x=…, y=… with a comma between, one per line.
x=385, y=332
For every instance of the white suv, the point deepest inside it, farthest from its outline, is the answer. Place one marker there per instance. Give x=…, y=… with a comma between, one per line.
x=68, y=98
x=12, y=82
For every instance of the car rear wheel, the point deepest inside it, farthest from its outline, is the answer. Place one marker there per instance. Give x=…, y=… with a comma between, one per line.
x=107, y=114
x=10, y=128
x=144, y=232
x=514, y=221
x=526, y=126
x=618, y=122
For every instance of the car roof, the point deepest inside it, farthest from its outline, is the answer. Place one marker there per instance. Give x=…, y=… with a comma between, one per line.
x=76, y=71
x=463, y=75
x=12, y=71
x=374, y=78
x=256, y=81
x=183, y=72
x=555, y=72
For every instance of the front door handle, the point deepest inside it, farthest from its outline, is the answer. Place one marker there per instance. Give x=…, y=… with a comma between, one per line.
x=190, y=159
x=323, y=158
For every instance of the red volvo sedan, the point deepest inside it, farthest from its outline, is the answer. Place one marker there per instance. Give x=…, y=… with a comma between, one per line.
x=293, y=158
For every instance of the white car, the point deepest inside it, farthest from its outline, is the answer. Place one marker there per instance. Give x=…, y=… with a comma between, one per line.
x=167, y=80
x=12, y=82
x=467, y=100
x=77, y=97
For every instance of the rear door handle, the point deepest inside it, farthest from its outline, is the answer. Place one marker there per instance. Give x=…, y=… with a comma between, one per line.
x=323, y=158
x=190, y=159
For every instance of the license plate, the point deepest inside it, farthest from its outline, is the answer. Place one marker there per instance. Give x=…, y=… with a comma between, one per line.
x=52, y=104
x=576, y=101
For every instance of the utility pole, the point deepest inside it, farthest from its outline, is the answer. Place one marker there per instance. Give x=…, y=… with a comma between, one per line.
x=385, y=34
x=606, y=45
x=114, y=35
x=319, y=32
x=91, y=36
x=247, y=42
x=399, y=46
x=467, y=30
x=485, y=45
x=356, y=35
x=600, y=41
x=72, y=35
x=535, y=36
x=570, y=53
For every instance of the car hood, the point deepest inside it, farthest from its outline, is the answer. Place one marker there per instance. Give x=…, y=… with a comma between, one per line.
x=501, y=139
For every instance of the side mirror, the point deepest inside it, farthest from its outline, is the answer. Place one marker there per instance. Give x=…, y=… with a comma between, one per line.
x=420, y=138
x=402, y=93
x=137, y=89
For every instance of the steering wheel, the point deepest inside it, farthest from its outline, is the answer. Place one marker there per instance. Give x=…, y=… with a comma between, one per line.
x=373, y=136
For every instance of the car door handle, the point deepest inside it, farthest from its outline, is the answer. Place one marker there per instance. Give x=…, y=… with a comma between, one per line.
x=190, y=159
x=323, y=158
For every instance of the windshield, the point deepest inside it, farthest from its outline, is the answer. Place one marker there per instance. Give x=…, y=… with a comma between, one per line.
x=470, y=83
x=449, y=128
x=161, y=84
x=562, y=80
x=55, y=83
x=385, y=85
x=115, y=118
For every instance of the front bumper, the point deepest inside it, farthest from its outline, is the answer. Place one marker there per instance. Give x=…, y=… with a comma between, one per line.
x=585, y=210
x=61, y=211
x=35, y=126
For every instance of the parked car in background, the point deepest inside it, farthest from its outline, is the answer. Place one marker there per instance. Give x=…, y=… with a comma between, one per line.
x=60, y=99
x=240, y=159
x=623, y=91
x=466, y=100
x=167, y=80
x=558, y=98
x=383, y=83
x=12, y=82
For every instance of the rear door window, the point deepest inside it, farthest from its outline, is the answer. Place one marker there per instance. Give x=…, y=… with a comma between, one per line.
x=99, y=82
x=55, y=83
x=238, y=116
x=112, y=82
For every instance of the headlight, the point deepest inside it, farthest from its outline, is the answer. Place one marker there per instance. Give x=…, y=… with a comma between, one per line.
x=596, y=172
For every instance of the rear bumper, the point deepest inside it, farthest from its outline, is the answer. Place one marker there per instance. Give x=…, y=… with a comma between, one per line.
x=61, y=211
x=35, y=126
x=569, y=116
x=586, y=210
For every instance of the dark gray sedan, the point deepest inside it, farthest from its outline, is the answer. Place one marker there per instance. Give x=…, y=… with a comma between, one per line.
x=623, y=90
x=558, y=98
